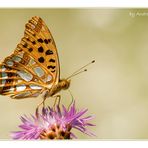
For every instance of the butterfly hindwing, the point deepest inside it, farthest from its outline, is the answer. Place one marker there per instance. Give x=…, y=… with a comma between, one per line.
x=33, y=66
x=16, y=82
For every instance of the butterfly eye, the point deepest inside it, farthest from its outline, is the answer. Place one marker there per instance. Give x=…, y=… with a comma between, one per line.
x=67, y=85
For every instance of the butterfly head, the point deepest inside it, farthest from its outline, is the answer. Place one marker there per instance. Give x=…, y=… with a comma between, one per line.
x=64, y=83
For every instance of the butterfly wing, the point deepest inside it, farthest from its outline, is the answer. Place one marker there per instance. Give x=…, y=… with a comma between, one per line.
x=34, y=65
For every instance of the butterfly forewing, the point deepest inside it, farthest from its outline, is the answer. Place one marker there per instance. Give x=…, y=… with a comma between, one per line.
x=38, y=35
x=33, y=66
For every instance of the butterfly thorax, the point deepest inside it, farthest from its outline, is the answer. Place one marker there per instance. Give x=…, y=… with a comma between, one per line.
x=63, y=84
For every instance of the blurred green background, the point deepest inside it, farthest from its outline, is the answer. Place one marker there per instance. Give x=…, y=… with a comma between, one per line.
x=115, y=88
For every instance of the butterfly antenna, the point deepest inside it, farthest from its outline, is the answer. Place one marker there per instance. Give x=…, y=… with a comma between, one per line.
x=77, y=73
x=80, y=70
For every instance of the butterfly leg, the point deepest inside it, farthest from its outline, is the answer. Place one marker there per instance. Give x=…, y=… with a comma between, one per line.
x=72, y=99
x=57, y=98
x=42, y=103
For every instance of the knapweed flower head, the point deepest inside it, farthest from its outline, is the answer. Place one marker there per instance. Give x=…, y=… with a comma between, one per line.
x=54, y=123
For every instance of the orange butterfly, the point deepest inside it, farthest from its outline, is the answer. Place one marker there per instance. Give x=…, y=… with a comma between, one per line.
x=34, y=67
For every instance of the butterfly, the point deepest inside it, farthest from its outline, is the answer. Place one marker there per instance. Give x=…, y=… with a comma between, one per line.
x=33, y=68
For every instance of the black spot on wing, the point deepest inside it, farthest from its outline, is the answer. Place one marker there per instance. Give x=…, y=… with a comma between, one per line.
x=30, y=49
x=52, y=60
x=40, y=40
x=33, y=42
x=41, y=60
x=10, y=74
x=52, y=67
x=6, y=88
x=49, y=40
x=48, y=52
x=46, y=41
x=9, y=81
x=53, y=71
x=25, y=45
x=40, y=49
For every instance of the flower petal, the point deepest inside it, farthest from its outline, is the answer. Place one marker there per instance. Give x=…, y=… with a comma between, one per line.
x=31, y=128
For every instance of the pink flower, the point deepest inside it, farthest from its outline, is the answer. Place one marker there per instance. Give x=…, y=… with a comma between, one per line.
x=54, y=124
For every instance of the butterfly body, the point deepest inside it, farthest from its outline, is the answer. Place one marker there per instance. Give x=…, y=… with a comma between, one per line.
x=63, y=84
x=34, y=67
